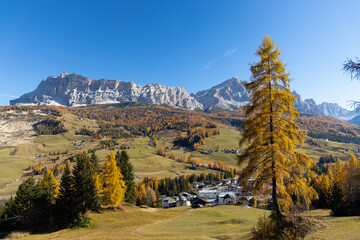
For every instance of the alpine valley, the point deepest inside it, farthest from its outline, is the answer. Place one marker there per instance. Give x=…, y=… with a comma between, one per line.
x=177, y=143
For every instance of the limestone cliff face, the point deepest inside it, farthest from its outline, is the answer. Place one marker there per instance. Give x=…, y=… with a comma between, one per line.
x=76, y=90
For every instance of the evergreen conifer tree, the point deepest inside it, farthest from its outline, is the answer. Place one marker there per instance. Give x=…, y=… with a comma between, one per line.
x=95, y=163
x=66, y=211
x=87, y=197
x=29, y=209
x=127, y=170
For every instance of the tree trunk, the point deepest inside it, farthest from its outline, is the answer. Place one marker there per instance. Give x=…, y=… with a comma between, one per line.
x=276, y=206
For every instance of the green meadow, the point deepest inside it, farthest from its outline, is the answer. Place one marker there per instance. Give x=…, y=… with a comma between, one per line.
x=222, y=222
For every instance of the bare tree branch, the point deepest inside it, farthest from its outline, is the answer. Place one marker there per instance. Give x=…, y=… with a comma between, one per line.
x=353, y=68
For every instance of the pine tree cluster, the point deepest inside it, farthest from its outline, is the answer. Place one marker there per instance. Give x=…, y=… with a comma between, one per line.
x=43, y=205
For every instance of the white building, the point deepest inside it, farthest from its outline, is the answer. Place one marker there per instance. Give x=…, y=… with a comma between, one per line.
x=207, y=194
x=165, y=202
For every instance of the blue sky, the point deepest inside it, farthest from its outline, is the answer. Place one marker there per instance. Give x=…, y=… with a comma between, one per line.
x=195, y=44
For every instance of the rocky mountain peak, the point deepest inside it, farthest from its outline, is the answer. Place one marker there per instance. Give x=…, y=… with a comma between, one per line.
x=228, y=95
x=77, y=90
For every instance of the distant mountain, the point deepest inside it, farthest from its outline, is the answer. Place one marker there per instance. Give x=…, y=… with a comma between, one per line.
x=76, y=90
x=231, y=94
x=308, y=106
x=335, y=111
x=228, y=95
x=355, y=120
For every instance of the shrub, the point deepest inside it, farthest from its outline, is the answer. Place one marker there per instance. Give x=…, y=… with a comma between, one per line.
x=84, y=223
x=292, y=227
x=265, y=229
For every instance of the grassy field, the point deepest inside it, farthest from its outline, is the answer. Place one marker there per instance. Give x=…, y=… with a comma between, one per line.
x=222, y=222
x=339, y=228
x=327, y=148
x=228, y=139
x=147, y=164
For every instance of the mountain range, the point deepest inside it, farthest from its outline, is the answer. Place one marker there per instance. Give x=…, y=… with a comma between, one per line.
x=76, y=90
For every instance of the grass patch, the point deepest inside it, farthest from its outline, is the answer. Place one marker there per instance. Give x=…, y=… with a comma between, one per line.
x=340, y=228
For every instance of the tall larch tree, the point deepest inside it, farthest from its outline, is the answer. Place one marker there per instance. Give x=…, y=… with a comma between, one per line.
x=114, y=186
x=127, y=170
x=51, y=186
x=269, y=133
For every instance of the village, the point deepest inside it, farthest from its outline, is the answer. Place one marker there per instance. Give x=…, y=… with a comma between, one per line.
x=224, y=192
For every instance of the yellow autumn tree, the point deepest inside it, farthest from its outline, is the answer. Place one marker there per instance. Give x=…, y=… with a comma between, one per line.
x=114, y=186
x=51, y=186
x=270, y=134
x=98, y=185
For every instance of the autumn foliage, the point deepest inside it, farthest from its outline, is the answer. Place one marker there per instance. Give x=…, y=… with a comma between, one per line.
x=114, y=186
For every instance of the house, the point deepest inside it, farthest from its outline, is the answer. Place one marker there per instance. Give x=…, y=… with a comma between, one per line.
x=198, y=203
x=185, y=195
x=246, y=200
x=167, y=202
x=183, y=200
x=226, y=181
x=194, y=167
x=227, y=198
x=207, y=194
